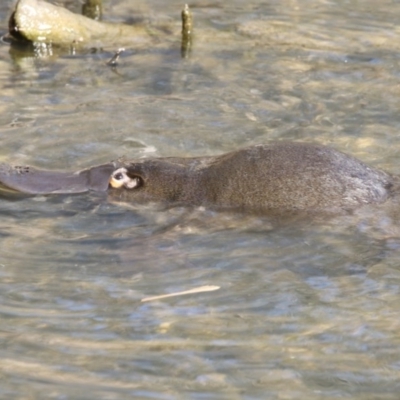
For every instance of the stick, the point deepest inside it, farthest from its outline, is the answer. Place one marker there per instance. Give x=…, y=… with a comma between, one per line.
x=208, y=288
x=187, y=32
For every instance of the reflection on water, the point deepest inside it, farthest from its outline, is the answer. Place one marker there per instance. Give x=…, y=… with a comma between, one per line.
x=305, y=309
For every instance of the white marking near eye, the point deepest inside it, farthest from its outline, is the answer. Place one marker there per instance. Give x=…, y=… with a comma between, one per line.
x=120, y=178
x=132, y=183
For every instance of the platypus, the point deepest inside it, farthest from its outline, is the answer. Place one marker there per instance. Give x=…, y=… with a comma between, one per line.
x=278, y=176
x=281, y=176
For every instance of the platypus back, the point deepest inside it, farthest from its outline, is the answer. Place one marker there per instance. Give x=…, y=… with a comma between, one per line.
x=281, y=176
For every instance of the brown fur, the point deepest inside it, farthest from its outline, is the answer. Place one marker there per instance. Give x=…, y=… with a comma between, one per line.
x=280, y=176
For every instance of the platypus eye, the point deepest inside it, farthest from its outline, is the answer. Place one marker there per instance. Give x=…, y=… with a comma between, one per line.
x=120, y=178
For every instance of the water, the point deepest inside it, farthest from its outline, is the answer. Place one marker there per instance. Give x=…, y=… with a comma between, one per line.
x=305, y=309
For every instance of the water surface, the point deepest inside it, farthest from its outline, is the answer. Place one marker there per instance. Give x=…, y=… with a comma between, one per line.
x=305, y=309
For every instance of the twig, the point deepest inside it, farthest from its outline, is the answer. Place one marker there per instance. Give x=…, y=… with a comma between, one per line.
x=208, y=288
x=113, y=62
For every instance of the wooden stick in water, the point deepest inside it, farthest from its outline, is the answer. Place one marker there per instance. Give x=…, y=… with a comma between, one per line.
x=201, y=289
x=187, y=32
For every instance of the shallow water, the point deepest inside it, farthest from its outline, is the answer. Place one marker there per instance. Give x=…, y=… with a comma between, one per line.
x=306, y=309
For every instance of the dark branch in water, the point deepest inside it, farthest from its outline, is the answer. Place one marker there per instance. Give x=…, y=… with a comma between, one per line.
x=187, y=32
x=113, y=62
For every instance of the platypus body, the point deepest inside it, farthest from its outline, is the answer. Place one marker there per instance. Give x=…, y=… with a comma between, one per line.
x=279, y=176
x=283, y=176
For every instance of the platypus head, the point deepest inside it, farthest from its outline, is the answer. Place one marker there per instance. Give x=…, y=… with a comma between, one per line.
x=160, y=180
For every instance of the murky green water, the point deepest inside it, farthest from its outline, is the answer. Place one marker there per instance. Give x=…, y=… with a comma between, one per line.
x=305, y=309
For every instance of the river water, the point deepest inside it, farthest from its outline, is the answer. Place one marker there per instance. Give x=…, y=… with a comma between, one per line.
x=304, y=310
